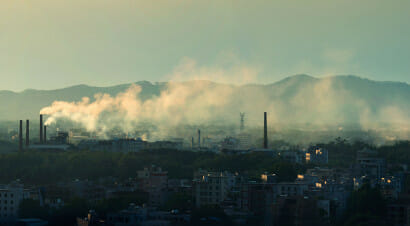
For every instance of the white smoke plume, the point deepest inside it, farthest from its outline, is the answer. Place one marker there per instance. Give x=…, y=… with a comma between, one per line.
x=189, y=102
x=316, y=102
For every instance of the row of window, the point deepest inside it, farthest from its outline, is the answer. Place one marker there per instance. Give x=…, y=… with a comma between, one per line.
x=289, y=188
x=5, y=208
x=208, y=193
x=7, y=215
x=209, y=200
x=5, y=202
x=6, y=194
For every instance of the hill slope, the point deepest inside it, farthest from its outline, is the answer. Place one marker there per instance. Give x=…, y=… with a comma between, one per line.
x=300, y=98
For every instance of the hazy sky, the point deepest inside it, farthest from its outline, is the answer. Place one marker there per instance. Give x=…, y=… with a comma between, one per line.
x=46, y=44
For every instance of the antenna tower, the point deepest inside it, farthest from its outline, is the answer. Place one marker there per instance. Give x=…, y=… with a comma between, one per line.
x=242, y=114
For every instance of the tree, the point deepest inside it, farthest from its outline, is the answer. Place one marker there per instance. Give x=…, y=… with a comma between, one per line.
x=30, y=208
x=366, y=206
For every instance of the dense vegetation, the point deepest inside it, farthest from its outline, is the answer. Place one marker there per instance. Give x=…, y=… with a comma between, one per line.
x=51, y=167
x=34, y=167
x=343, y=153
x=365, y=206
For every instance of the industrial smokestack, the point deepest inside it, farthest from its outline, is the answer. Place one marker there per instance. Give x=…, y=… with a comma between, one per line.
x=27, y=133
x=192, y=142
x=21, y=135
x=199, y=138
x=45, y=135
x=41, y=129
x=265, y=132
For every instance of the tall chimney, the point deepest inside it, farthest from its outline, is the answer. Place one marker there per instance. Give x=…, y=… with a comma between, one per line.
x=45, y=135
x=27, y=133
x=192, y=142
x=21, y=136
x=41, y=129
x=265, y=132
x=199, y=138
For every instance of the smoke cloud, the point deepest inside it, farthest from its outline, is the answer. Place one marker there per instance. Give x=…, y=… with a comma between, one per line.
x=313, y=103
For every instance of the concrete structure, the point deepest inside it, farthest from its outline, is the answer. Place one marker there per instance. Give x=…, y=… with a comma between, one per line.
x=291, y=156
x=230, y=143
x=317, y=155
x=244, y=140
x=211, y=188
x=371, y=165
x=116, y=145
x=21, y=135
x=265, y=131
x=41, y=129
x=10, y=197
x=199, y=138
x=27, y=133
x=50, y=147
x=398, y=213
x=154, y=181
x=45, y=135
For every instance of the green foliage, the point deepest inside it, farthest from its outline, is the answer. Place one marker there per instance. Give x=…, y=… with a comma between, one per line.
x=51, y=167
x=343, y=153
x=30, y=208
x=285, y=171
x=69, y=212
x=365, y=206
x=397, y=153
x=179, y=201
x=119, y=202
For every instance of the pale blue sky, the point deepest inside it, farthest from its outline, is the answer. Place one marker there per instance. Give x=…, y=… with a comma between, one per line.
x=46, y=44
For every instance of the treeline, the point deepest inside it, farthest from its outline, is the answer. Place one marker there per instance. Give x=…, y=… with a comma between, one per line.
x=343, y=153
x=34, y=167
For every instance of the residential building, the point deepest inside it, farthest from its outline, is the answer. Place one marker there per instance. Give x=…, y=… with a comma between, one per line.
x=211, y=188
x=10, y=197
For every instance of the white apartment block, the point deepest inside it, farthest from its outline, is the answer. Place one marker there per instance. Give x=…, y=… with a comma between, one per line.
x=10, y=197
x=211, y=188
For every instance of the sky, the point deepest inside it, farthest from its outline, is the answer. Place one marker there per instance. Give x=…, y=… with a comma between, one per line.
x=49, y=44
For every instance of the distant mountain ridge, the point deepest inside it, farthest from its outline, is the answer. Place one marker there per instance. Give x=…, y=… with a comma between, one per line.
x=293, y=98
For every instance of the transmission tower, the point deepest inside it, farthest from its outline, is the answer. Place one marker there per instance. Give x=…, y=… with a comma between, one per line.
x=242, y=114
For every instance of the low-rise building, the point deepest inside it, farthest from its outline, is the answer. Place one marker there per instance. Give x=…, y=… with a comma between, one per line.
x=154, y=181
x=211, y=188
x=317, y=155
x=371, y=165
x=10, y=197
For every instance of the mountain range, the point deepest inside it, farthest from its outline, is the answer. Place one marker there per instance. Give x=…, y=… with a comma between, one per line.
x=299, y=98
